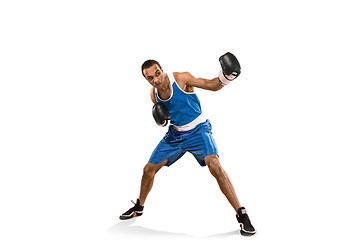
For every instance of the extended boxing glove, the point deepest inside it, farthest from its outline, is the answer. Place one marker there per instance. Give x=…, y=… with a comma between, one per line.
x=231, y=68
x=160, y=114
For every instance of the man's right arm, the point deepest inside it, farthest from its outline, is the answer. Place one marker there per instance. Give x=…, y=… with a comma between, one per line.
x=152, y=95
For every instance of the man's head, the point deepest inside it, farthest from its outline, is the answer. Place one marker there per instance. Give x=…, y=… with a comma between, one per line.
x=153, y=72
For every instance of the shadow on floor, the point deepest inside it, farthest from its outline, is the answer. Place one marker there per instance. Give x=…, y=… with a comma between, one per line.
x=126, y=228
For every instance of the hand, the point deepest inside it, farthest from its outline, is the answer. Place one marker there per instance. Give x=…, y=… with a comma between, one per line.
x=231, y=68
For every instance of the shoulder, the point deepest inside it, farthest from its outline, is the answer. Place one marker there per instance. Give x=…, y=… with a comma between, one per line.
x=183, y=76
x=183, y=79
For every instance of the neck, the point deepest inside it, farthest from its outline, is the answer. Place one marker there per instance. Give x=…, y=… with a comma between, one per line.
x=166, y=86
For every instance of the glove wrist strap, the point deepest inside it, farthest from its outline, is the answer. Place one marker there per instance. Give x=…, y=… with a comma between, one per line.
x=223, y=79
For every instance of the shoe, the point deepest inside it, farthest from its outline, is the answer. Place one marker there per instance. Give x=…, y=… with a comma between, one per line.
x=247, y=228
x=135, y=211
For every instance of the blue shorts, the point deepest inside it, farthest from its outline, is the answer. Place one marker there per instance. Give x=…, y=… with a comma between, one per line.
x=198, y=141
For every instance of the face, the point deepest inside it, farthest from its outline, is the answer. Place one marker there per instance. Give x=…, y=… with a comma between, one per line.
x=154, y=75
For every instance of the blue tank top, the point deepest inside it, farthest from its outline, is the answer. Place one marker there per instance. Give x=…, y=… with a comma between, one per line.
x=183, y=107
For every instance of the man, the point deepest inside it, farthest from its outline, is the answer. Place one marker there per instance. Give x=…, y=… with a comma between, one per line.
x=174, y=97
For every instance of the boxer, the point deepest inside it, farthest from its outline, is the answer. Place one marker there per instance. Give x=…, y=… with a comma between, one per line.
x=176, y=104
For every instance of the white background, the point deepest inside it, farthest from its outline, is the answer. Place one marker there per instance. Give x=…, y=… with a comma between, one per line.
x=76, y=125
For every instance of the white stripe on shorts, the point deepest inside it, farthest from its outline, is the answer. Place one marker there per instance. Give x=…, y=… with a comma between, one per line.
x=190, y=125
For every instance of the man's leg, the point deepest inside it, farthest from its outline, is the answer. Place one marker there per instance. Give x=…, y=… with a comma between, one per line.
x=147, y=180
x=213, y=163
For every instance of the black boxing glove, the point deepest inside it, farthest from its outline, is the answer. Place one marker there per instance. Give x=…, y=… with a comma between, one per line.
x=231, y=68
x=160, y=114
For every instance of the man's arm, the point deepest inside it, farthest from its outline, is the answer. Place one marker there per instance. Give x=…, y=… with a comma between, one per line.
x=152, y=95
x=231, y=69
x=207, y=84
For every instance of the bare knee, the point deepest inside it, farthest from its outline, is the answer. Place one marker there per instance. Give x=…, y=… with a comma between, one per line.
x=213, y=163
x=148, y=170
x=151, y=169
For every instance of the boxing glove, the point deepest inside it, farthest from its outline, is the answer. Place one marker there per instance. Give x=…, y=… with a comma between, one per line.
x=231, y=68
x=160, y=114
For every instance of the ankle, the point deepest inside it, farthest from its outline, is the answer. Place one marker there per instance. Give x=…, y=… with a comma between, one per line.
x=140, y=202
x=241, y=211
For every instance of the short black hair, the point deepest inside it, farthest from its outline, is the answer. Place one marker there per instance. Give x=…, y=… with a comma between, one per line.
x=149, y=63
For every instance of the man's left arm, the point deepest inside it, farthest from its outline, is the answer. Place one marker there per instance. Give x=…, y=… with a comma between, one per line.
x=231, y=69
x=207, y=84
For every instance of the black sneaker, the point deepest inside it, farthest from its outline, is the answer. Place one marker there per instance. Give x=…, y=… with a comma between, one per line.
x=135, y=211
x=246, y=228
